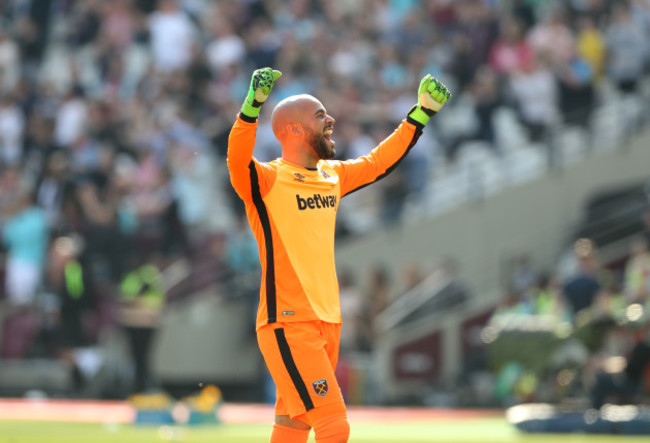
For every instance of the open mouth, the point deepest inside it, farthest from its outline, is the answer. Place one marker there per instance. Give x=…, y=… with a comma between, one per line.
x=327, y=133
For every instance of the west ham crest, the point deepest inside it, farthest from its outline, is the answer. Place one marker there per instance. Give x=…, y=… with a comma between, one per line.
x=320, y=387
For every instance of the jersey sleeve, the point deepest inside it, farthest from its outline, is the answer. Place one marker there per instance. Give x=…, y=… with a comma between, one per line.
x=246, y=173
x=360, y=172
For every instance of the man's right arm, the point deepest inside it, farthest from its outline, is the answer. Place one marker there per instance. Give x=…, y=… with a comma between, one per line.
x=241, y=143
x=245, y=171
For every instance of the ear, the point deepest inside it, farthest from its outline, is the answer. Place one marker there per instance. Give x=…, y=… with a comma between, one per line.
x=294, y=129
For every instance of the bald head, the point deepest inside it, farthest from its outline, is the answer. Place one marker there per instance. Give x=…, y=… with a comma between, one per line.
x=293, y=109
x=303, y=128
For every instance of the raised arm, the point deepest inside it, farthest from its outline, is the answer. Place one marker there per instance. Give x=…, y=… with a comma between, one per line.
x=360, y=172
x=244, y=169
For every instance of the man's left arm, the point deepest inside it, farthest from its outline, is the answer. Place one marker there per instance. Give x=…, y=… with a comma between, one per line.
x=363, y=171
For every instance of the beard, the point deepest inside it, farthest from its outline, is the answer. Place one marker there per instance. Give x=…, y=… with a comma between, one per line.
x=320, y=147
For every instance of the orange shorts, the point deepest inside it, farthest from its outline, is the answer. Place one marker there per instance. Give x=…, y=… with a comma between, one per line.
x=301, y=357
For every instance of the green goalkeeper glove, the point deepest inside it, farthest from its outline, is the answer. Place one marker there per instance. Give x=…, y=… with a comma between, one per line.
x=261, y=84
x=432, y=96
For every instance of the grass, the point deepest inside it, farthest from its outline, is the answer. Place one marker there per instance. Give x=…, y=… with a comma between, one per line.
x=490, y=430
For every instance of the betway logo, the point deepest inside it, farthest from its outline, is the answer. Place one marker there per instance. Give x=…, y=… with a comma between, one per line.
x=317, y=201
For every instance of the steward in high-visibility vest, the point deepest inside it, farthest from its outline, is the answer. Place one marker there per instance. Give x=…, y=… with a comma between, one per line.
x=142, y=297
x=68, y=277
x=73, y=277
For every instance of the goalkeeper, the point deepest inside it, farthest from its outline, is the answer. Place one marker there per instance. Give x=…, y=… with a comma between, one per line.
x=291, y=205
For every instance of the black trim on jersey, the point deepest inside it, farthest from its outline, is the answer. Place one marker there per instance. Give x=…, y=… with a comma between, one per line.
x=246, y=118
x=290, y=364
x=416, y=135
x=271, y=308
x=415, y=123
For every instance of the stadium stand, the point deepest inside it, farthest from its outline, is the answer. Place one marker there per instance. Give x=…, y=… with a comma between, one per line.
x=114, y=119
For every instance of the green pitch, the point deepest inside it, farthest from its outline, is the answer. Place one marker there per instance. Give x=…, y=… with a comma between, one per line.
x=490, y=430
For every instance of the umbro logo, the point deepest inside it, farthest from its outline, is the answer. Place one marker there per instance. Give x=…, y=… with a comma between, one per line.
x=298, y=177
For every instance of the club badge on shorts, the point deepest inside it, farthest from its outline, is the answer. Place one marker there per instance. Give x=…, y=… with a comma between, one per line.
x=320, y=387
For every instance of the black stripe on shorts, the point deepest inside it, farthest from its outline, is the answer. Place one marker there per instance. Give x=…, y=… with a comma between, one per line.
x=290, y=364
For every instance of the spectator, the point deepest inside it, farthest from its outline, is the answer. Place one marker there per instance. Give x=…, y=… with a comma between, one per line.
x=351, y=312
x=172, y=36
x=394, y=192
x=38, y=145
x=523, y=274
x=581, y=290
x=645, y=219
x=199, y=77
x=71, y=118
x=479, y=24
x=611, y=304
x=553, y=39
x=576, y=91
x=54, y=186
x=118, y=26
x=25, y=235
x=412, y=276
x=535, y=93
x=524, y=12
x=242, y=249
x=461, y=66
x=546, y=299
x=211, y=267
x=142, y=299
x=640, y=10
x=626, y=50
x=627, y=385
x=416, y=175
x=12, y=126
x=637, y=273
x=32, y=27
x=511, y=53
x=9, y=63
x=68, y=277
x=99, y=222
x=485, y=93
x=227, y=48
x=377, y=297
x=512, y=305
x=85, y=23
x=190, y=173
x=591, y=46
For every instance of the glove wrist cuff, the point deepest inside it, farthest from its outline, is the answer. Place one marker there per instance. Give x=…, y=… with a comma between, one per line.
x=250, y=111
x=420, y=115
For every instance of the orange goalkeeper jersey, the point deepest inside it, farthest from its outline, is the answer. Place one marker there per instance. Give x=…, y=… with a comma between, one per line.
x=292, y=211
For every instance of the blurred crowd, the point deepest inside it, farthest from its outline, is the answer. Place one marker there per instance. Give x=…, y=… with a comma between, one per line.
x=585, y=324
x=114, y=118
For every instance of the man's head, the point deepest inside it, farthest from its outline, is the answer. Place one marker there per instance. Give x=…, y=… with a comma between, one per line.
x=304, y=128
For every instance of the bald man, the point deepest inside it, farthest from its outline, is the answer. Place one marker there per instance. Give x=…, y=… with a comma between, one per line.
x=291, y=204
